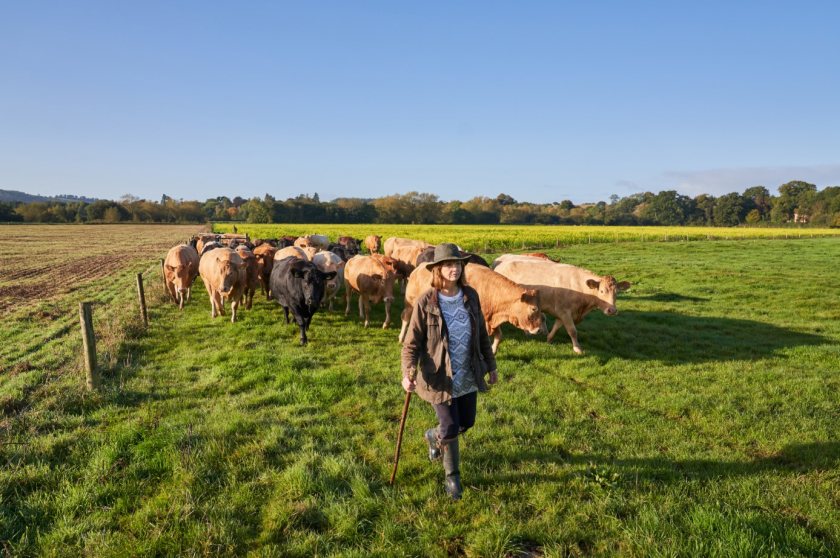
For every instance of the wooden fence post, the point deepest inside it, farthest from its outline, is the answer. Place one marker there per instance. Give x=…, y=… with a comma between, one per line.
x=89, y=345
x=142, y=296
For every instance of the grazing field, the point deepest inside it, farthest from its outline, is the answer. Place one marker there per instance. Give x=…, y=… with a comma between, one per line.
x=702, y=420
x=45, y=271
x=496, y=238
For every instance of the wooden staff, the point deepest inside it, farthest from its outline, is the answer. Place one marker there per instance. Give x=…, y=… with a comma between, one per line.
x=400, y=435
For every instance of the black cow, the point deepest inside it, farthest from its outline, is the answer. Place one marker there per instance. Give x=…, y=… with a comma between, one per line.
x=298, y=285
x=428, y=255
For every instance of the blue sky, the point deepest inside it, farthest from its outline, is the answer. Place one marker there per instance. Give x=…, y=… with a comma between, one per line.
x=541, y=100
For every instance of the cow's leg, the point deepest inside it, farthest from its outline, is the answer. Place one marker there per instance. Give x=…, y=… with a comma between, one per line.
x=234, y=306
x=221, y=304
x=213, y=304
x=569, y=324
x=497, y=339
x=170, y=290
x=189, y=294
x=387, y=314
x=366, y=307
x=348, y=295
x=286, y=311
x=181, y=297
x=554, y=329
x=302, y=325
x=362, y=302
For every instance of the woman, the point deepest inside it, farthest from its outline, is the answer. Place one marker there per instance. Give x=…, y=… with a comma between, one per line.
x=447, y=343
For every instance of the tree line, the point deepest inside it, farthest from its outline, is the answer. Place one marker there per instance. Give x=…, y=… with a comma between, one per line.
x=797, y=202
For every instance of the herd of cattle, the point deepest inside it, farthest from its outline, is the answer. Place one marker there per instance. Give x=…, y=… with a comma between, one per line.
x=303, y=274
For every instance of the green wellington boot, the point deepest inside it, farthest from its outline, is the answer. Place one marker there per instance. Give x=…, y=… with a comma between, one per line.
x=451, y=463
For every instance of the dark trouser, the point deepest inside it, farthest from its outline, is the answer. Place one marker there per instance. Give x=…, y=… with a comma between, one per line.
x=457, y=417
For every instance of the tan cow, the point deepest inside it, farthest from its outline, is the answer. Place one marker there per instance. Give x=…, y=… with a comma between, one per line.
x=373, y=243
x=223, y=273
x=518, y=257
x=319, y=241
x=394, y=241
x=373, y=278
x=566, y=292
x=180, y=268
x=290, y=251
x=252, y=274
x=265, y=263
x=501, y=299
x=327, y=261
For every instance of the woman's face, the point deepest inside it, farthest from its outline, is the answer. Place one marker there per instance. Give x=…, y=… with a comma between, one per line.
x=450, y=271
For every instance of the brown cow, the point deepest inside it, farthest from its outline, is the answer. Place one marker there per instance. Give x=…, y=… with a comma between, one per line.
x=223, y=273
x=265, y=263
x=314, y=240
x=501, y=299
x=252, y=274
x=290, y=251
x=180, y=268
x=566, y=292
x=327, y=261
x=351, y=245
x=373, y=243
x=373, y=278
x=392, y=242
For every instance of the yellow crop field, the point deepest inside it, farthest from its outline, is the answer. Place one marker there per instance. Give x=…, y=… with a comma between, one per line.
x=496, y=238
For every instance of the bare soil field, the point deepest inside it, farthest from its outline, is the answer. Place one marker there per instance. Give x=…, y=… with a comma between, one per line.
x=43, y=262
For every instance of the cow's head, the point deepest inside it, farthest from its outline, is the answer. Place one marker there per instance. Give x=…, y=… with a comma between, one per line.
x=525, y=313
x=231, y=271
x=180, y=275
x=312, y=281
x=605, y=289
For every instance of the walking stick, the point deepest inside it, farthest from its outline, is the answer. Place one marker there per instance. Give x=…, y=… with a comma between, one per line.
x=400, y=436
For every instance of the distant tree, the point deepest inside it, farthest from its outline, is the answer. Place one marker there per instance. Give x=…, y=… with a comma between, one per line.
x=753, y=217
x=256, y=211
x=505, y=199
x=729, y=210
x=795, y=196
x=758, y=198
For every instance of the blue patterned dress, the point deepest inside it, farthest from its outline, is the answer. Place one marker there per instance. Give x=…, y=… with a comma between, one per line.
x=457, y=320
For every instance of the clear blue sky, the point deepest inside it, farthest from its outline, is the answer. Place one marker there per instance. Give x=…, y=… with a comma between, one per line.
x=541, y=100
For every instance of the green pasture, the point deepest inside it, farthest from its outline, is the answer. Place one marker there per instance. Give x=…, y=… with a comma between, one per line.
x=702, y=421
x=496, y=238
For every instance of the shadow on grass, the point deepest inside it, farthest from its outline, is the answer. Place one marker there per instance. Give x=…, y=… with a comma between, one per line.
x=676, y=338
x=671, y=297
x=794, y=459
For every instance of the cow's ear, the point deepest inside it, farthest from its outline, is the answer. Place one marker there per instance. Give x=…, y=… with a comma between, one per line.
x=593, y=284
x=528, y=294
x=623, y=286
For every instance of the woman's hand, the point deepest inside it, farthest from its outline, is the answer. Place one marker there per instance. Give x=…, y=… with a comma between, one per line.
x=408, y=384
x=494, y=377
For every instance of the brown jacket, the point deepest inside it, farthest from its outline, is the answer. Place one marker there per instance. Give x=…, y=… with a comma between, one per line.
x=426, y=349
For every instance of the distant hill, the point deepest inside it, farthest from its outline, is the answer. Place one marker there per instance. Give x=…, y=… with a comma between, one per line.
x=15, y=196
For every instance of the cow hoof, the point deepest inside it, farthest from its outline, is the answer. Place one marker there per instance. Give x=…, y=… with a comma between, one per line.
x=578, y=351
x=385, y=326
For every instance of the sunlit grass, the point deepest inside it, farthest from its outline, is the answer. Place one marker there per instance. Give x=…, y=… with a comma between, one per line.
x=702, y=420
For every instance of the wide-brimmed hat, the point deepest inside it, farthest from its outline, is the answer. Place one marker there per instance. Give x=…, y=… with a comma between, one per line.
x=447, y=252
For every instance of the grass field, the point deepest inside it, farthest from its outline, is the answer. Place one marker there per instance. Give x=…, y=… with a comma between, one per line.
x=496, y=238
x=702, y=420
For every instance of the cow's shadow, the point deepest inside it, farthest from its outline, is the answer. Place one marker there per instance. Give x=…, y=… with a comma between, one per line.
x=678, y=338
